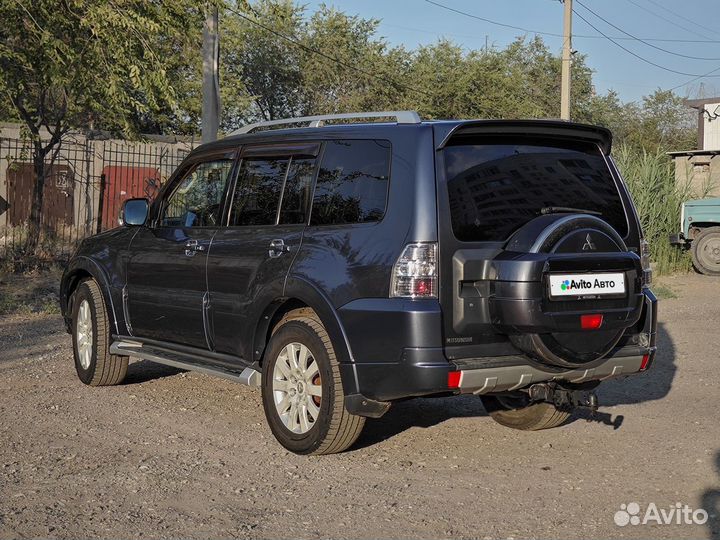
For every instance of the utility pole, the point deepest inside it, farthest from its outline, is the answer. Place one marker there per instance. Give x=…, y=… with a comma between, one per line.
x=566, y=62
x=211, y=80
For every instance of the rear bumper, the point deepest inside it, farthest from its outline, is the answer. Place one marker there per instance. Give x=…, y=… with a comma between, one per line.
x=417, y=377
x=423, y=371
x=508, y=378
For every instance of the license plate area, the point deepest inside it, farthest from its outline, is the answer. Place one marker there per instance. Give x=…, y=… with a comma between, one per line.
x=587, y=286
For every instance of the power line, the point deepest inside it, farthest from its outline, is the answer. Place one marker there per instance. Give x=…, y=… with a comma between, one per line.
x=306, y=48
x=684, y=18
x=553, y=34
x=708, y=74
x=406, y=87
x=663, y=18
x=640, y=57
x=641, y=40
x=477, y=17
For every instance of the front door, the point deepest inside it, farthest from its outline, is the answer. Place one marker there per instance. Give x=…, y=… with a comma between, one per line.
x=167, y=287
x=250, y=258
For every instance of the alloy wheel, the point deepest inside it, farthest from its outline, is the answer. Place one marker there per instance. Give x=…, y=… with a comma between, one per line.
x=297, y=388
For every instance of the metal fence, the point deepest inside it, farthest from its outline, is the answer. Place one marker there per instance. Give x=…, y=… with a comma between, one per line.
x=86, y=183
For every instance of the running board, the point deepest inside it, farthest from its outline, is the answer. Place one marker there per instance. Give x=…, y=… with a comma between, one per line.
x=248, y=376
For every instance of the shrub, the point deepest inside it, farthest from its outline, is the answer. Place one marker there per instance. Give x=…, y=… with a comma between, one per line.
x=650, y=177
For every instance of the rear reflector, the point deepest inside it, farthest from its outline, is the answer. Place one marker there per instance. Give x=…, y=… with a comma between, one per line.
x=454, y=379
x=645, y=362
x=591, y=322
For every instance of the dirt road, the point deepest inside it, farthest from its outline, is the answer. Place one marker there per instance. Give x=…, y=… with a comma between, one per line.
x=175, y=454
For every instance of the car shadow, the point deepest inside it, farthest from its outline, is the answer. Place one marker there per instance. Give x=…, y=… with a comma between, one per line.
x=655, y=384
x=420, y=412
x=710, y=502
x=142, y=371
x=652, y=385
x=428, y=412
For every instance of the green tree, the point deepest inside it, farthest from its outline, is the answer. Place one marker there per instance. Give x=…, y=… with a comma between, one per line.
x=519, y=81
x=368, y=74
x=261, y=75
x=666, y=122
x=330, y=62
x=87, y=63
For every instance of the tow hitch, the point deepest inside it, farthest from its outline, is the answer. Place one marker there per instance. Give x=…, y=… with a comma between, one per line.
x=564, y=398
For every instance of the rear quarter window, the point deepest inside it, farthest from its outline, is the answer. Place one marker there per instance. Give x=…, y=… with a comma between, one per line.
x=496, y=186
x=352, y=182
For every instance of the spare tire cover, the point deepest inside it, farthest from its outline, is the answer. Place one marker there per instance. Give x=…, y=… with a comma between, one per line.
x=567, y=234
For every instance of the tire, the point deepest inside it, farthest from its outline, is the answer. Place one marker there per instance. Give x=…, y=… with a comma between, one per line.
x=566, y=345
x=516, y=413
x=332, y=429
x=706, y=251
x=95, y=365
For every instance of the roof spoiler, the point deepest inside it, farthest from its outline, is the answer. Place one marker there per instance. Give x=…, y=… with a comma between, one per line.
x=545, y=128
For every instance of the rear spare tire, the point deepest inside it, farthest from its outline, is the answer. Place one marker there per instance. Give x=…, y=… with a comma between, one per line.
x=550, y=329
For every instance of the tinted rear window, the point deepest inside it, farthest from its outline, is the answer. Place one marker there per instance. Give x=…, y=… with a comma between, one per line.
x=496, y=187
x=352, y=183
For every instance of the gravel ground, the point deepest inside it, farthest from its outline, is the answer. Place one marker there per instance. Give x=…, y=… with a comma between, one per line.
x=176, y=454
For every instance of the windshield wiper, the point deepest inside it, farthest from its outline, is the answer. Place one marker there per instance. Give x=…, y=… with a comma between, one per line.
x=568, y=209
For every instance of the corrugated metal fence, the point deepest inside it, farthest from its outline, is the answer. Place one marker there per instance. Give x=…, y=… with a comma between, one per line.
x=85, y=185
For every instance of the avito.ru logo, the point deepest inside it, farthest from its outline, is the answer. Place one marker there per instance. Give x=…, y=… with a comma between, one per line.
x=678, y=514
x=573, y=284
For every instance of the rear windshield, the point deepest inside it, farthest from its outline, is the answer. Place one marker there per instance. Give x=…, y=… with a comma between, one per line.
x=496, y=186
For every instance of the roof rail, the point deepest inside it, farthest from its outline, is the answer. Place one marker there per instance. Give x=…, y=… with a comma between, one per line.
x=401, y=117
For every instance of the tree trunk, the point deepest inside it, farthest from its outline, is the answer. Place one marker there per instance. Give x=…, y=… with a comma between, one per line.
x=36, y=203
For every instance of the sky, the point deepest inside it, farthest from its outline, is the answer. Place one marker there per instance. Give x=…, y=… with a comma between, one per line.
x=419, y=22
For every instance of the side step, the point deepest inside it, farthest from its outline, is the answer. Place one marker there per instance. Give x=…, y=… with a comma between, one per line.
x=247, y=376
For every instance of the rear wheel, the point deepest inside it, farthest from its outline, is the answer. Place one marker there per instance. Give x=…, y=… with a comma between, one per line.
x=706, y=252
x=94, y=364
x=302, y=392
x=518, y=412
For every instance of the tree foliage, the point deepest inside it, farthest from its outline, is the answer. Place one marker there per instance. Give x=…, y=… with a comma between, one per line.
x=134, y=66
x=88, y=63
x=334, y=62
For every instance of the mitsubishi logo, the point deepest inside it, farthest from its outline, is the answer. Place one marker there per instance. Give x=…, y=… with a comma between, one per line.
x=588, y=245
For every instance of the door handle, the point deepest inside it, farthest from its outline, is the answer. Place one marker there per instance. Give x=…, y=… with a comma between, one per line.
x=192, y=247
x=277, y=248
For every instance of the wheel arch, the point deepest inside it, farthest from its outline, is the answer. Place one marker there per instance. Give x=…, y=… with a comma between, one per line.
x=79, y=269
x=300, y=293
x=697, y=227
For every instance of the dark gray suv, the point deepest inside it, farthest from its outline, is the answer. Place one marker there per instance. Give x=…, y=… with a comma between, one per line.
x=343, y=266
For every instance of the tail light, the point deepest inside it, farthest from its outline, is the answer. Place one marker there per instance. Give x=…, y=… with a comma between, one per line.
x=415, y=272
x=645, y=261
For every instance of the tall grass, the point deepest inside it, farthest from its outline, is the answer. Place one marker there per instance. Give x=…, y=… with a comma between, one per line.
x=650, y=176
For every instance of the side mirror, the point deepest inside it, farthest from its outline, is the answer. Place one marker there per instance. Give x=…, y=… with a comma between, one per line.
x=134, y=212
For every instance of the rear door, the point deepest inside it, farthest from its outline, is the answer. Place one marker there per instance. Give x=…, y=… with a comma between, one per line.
x=251, y=256
x=489, y=186
x=167, y=286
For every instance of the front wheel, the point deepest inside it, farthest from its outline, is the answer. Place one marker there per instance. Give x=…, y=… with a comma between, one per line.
x=706, y=252
x=94, y=364
x=302, y=392
x=518, y=412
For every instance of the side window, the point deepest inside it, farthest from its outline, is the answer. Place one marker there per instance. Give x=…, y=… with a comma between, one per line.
x=297, y=190
x=257, y=194
x=195, y=202
x=352, y=183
